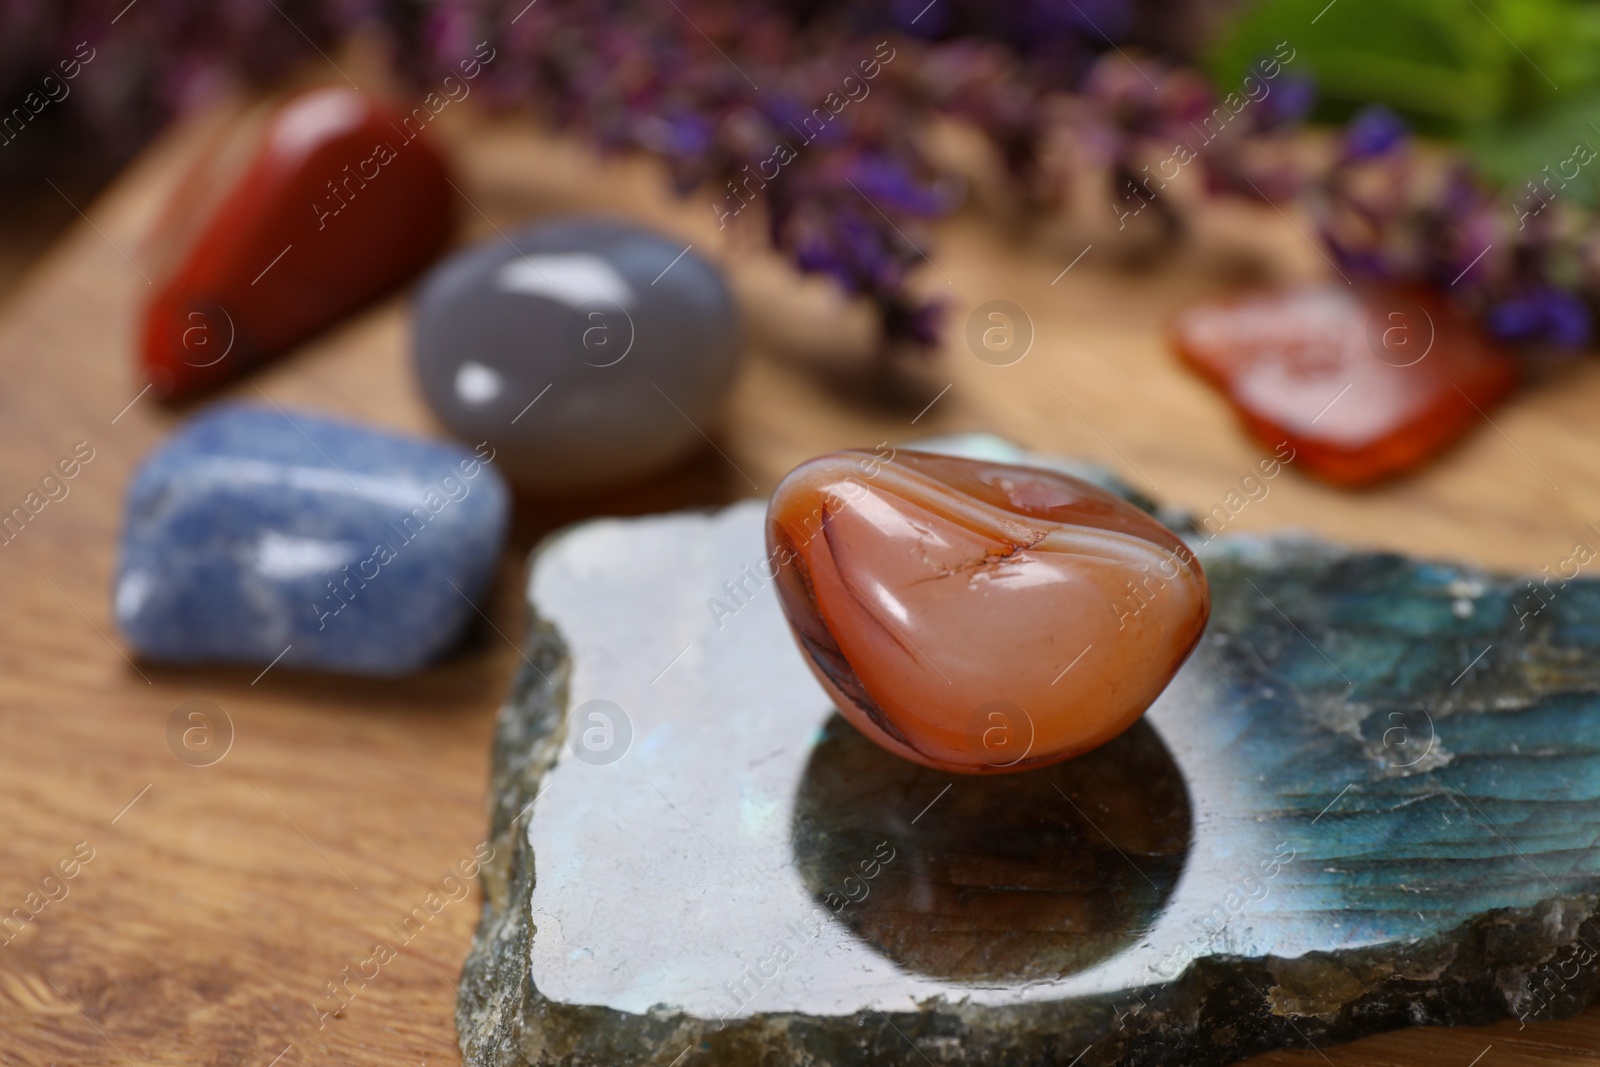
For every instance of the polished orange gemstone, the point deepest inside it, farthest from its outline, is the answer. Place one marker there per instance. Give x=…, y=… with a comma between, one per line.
x=980, y=617
x=1361, y=383
x=340, y=200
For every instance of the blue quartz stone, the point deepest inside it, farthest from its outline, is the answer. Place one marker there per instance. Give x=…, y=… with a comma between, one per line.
x=254, y=532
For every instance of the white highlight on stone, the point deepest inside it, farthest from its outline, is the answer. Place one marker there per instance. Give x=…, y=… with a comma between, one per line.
x=282, y=556
x=571, y=278
x=305, y=122
x=399, y=489
x=132, y=592
x=477, y=384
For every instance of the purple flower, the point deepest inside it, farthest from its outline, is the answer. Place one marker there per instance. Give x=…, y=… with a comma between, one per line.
x=1365, y=262
x=1290, y=101
x=781, y=110
x=680, y=81
x=1543, y=315
x=891, y=187
x=1375, y=131
x=681, y=135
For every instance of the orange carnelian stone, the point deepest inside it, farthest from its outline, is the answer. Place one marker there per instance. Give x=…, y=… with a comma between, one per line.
x=980, y=617
x=338, y=201
x=1363, y=383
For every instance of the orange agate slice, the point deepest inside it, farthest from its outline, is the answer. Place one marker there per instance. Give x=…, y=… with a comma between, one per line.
x=1363, y=383
x=980, y=617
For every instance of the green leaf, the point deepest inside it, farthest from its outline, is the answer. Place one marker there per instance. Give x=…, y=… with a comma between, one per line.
x=1449, y=66
x=1512, y=153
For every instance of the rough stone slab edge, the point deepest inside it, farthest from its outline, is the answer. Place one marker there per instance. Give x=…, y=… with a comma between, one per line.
x=1220, y=1010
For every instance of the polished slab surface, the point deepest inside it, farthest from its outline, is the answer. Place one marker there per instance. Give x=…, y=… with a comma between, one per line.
x=1369, y=799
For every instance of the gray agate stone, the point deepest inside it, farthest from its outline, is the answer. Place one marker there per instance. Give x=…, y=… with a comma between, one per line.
x=588, y=351
x=1369, y=800
x=258, y=535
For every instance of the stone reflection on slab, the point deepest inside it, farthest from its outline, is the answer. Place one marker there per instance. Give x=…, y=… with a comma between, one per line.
x=1009, y=878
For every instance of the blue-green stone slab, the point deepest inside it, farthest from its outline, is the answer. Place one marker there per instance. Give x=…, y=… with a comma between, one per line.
x=1368, y=801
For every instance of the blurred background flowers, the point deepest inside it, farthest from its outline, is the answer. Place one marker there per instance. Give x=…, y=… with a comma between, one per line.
x=1495, y=207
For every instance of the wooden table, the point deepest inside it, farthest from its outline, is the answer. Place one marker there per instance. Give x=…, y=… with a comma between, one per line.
x=221, y=900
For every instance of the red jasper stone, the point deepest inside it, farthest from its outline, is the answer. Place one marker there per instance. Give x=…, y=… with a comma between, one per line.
x=1362, y=383
x=341, y=200
x=980, y=617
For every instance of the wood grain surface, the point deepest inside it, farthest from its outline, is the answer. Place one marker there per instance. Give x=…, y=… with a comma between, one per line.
x=221, y=900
